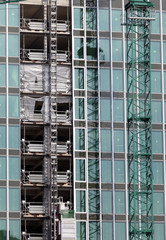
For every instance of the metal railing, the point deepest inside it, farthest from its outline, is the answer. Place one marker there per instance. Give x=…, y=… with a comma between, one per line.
x=32, y=236
x=33, y=208
x=33, y=55
x=32, y=146
x=32, y=177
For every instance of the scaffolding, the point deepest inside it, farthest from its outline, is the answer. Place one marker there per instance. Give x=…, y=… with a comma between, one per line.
x=138, y=17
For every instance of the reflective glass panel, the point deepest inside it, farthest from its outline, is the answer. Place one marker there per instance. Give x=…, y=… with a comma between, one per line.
x=2, y=75
x=79, y=108
x=79, y=78
x=116, y=21
x=157, y=172
x=94, y=206
x=2, y=106
x=80, y=201
x=91, y=19
x=106, y=201
x=13, y=75
x=2, y=199
x=13, y=45
x=106, y=171
x=104, y=20
x=105, y=110
x=118, y=110
x=105, y=140
x=156, y=82
x=155, y=25
x=81, y=230
x=80, y=170
x=14, y=168
x=14, y=137
x=104, y=79
x=78, y=18
x=158, y=203
x=91, y=48
x=104, y=49
x=119, y=141
x=92, y=109
x=117, y=80
x=157, y=143
x=119, y=171
x=13, y=106
x=78, y=48
x=156, y=112
x=106, y=230
x=14, y=199
x=120, y=231
x=2, y=45
x=93, y=139
x=120, y=202
x=3, y=15
x=79, y=139
x=93, y=170
x=159, y=231
x=164, y=22
x=2, y=167
x=14, y=229
x=2, y=137
x=155, y=52
x=92, y=79
x=13, y=15
x=117, y=50
x=2, y=229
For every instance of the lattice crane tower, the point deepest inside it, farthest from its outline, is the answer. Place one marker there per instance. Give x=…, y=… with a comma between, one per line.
x=138, y=18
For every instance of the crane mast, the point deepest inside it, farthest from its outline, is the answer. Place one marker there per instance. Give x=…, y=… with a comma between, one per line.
x=138, y=18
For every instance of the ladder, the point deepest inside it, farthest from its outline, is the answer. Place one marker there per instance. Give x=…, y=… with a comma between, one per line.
x=53, y=119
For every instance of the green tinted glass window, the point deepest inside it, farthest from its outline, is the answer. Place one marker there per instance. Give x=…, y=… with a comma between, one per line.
x=2, y=106
x=117, y=50
x=13, y=45
x=14, y=199
x=155, y=52
x=91, y=19
x=104, y=20
x=157, y=172
x=79, y=139
x=156, y=82
x=159, y=231
x=79, y=108
x=81, y=230
x=104, y=79
x=78, y=18
x=105, y=110
x=2, y=168
x=119, y=171
x=120, y=202
x=92, y=109
x=91, y=48
x=116, y=21
x=156, y=112
x=2, y=199
x=158, y=203
x=80, y=169
x=3, y=15
x=94, y=230
x=2, y=136
x=14, y=229
x=106, y=201
x=107, y=230
x=117, y=80
x=13, y=15
x=14, y=137
x=94, y=206
x=2, y=45
x=164, y=22
x=106, y=171
x=165, y=110
x=164, y=82
x=93, y=139
x=80, y=201
x=155, y=25
x=78, y=48
x=2, y=75
x=92, y=79
x=157, y=143
x=13, y=75
x=118, y=110
x=14, y=168
x=93, y=170
x=120, y=231
x=2, y=229
x=104, y=49
x=119, y=141
x=105, y=140
x=13, y=106
x=79, y=78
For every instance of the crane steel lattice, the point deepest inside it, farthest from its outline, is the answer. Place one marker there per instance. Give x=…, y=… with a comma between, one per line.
x=138, y=19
